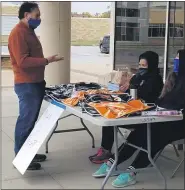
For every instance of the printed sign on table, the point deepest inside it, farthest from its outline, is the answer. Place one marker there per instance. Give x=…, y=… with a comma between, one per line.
x=37, y=137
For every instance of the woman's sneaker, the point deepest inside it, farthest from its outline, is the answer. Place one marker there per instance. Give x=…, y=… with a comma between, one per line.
x=102, y=171
x=91, y=157
x=101, y=157
x=124, y=180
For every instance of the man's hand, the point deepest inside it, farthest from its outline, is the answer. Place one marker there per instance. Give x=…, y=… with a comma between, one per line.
x=54, y=58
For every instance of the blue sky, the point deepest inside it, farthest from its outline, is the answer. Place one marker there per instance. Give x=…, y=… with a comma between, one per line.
x=92, y=7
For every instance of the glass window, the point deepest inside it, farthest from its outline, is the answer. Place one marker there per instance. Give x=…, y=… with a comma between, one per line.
x=123, y=30
x=119, y=38
x=131, y=34
x=150, y=32
x=118, y=33
x=123, y=24
x=176, y=35
x=119, y=4
x=118, y=24
x=140, y=39
x=128, y=31
x=158, y=30
x=123, y=37
x=123, y=12
x=130, y=24
x=132, y=13
x=118, y=11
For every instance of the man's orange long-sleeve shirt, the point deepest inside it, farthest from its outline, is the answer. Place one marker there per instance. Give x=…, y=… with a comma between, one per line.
x=26, y=55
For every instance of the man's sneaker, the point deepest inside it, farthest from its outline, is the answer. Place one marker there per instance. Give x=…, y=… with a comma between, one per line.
x=102, y=171
x=99, y=150
x=39, y=158
x=124, y=180
x=34, y=166
x=102, y=156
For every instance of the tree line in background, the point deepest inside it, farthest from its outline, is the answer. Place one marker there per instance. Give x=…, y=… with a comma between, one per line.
x=89, y=15
x=105, y=14
x=12, y=10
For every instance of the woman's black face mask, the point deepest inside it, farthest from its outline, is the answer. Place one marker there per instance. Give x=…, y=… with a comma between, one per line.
x=142, y=71
x=143, y=67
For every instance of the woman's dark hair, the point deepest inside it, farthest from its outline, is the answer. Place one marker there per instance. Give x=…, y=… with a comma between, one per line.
x=170, y=81
x=26, y=7
x=179, y=51
x=169, y=84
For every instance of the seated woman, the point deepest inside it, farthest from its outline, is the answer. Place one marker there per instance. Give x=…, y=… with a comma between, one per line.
x=172, y=97
x=149, y=84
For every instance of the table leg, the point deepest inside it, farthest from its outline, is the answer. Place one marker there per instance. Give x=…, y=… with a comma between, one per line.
x=93, y=142
x=116, y=157
x=47, y=142
x=149, y=153
x=70, y=130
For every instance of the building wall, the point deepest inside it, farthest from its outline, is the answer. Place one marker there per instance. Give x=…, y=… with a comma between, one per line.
x=159, y=16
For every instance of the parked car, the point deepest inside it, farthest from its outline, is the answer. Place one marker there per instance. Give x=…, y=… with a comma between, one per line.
x=105, y=44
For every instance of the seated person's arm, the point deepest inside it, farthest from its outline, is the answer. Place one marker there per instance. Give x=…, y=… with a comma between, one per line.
x=150, y=90
x=125, y=82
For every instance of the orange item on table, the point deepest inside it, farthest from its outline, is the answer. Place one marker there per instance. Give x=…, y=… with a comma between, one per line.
x=113, y=110
x=103, y=91
x=71, y=101
x=74, y=101
x=80, y=95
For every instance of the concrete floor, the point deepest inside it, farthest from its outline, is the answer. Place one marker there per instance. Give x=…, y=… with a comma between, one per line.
x=68, y=166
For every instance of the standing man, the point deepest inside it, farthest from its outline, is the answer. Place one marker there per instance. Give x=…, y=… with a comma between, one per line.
x=28, y=64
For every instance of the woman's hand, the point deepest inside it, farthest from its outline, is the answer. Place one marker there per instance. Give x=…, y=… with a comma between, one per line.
x=124, y=88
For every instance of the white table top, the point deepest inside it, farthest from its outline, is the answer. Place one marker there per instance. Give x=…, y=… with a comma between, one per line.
x=100, y=121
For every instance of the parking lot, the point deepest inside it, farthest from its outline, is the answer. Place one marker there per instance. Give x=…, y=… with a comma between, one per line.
x=85, y=61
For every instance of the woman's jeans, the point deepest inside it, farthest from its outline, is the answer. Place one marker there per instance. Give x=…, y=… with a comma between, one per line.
x=30, y=97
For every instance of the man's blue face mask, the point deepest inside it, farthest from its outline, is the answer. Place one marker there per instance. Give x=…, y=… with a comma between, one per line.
x=176, y=65
x=34, y=23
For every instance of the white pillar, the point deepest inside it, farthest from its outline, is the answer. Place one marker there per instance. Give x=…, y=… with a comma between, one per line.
x=112, y=34
x=166, y=41
x=55, y=36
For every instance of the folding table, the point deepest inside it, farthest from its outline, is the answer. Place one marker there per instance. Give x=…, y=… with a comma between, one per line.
x=103, y=122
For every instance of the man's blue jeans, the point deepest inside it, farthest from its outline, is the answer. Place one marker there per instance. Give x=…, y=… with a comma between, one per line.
x=30, y=97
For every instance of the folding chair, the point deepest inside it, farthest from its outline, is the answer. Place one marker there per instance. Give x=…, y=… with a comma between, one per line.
x=179, y=165
x=174, y=144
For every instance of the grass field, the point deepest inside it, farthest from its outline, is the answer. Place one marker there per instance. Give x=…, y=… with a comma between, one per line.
x=88, y=31
x=84, y=31
x=9, y=10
